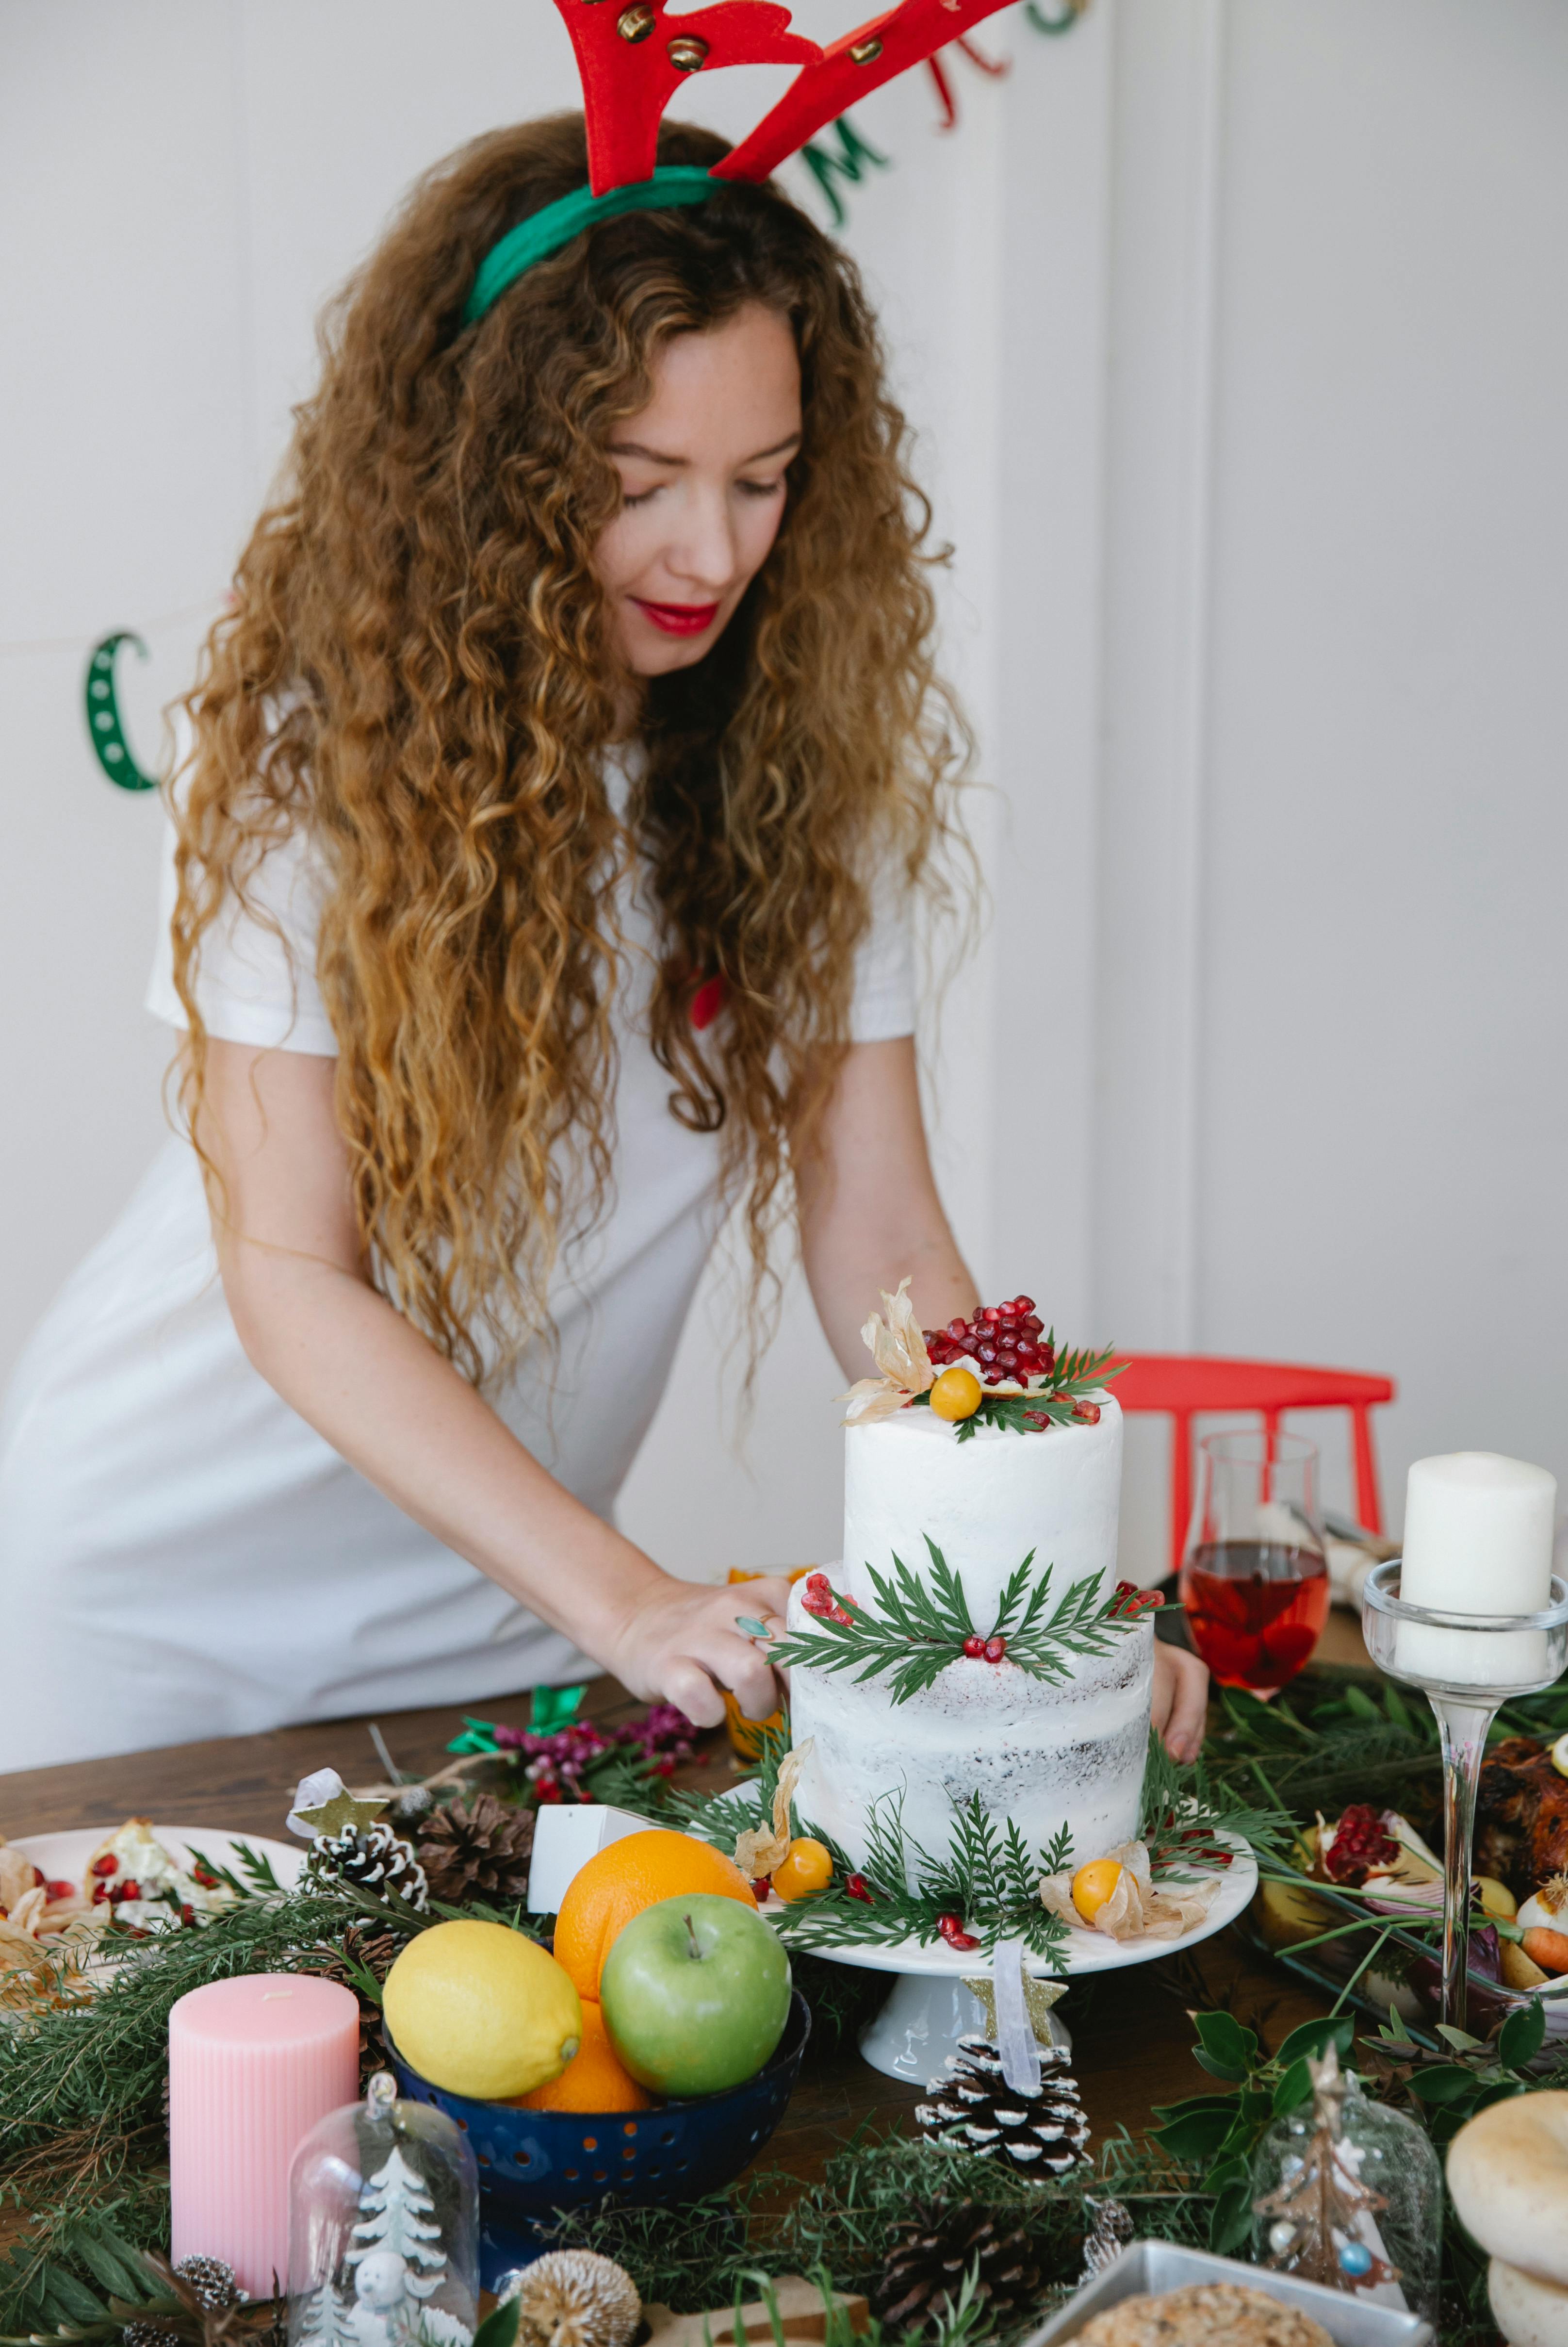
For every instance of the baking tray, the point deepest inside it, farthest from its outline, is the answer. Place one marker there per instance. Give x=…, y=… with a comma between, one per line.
x=1148, y=2266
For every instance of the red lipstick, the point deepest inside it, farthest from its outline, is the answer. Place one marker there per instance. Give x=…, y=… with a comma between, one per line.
x=680, y=618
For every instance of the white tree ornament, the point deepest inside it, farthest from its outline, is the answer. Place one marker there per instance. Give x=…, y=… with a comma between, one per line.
x=399, y=2221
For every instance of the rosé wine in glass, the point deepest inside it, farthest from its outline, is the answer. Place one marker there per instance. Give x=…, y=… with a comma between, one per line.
x=1255, y=1580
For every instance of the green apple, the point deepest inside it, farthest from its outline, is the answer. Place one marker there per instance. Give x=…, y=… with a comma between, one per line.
x=695, y=1993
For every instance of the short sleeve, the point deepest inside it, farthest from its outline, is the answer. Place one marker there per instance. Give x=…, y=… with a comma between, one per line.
x=884, y=1004
x=254, y=983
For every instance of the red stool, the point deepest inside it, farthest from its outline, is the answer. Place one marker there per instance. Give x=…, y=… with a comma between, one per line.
x=1183, y=1385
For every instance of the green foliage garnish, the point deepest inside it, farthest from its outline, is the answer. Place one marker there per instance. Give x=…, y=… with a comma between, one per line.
x=919, y=1628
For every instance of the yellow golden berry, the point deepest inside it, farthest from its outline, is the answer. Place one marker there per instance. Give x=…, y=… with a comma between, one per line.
x=1093, y=1884
x=956, y=1394
x=807, y=1868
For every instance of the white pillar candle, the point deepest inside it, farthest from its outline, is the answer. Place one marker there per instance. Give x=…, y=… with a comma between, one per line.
x=1478, y=1540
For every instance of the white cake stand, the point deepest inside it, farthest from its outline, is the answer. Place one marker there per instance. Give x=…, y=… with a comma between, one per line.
x=931, y=2009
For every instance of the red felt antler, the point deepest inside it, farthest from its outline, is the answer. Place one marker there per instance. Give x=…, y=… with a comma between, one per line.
x=845, y=72
x=631, y=57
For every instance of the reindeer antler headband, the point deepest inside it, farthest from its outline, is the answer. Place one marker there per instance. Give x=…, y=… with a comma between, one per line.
x=631, y=61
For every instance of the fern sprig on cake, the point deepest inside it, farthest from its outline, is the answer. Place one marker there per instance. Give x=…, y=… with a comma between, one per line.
x=923, y=1625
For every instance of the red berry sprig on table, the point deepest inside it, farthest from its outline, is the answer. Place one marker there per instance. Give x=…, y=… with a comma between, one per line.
x=1007, y=1341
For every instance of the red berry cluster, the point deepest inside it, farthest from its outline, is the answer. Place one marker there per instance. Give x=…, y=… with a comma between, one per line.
x=1129, y=1601
x=985, y=1650
x=1007, y=1341
x=858, y=1888
x=1362, y=1841
x=951, y=1928
x=818, y=1597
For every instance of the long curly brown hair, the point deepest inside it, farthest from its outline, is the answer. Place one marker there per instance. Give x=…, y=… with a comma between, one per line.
x=416, y=666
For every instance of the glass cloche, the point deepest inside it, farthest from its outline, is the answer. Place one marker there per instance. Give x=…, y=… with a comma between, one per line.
x=383, y=2227
x=1349, y=2193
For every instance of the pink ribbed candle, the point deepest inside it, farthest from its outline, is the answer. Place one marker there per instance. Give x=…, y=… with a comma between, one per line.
x=253, y=2063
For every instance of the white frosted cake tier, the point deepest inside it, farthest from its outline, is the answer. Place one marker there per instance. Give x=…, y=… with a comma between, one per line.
x=1045, y=1755
x=986, y=1502
x=1040, y=1753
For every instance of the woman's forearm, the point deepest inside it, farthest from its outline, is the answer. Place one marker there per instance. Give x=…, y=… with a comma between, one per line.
x=357, y=1371
x=290, y=1252
x=870, y=1214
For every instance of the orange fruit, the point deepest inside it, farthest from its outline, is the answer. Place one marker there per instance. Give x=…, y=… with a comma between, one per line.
x=594, y=2079
x=603, y=1896
x=1093, y=1884
x=807, y=1868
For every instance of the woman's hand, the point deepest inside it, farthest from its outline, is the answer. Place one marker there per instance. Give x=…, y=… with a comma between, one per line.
x=1181, y=1700
x=679, y=1644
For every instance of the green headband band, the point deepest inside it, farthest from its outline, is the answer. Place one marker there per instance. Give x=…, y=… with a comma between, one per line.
x=546, y=232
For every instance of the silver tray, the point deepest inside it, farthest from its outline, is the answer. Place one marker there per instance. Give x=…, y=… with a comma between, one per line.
x=1149, y=2266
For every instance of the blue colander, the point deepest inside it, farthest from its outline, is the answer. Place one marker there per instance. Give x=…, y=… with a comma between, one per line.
x=532, y=2163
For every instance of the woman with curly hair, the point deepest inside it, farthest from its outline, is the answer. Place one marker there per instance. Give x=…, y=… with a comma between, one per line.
x=554, y=796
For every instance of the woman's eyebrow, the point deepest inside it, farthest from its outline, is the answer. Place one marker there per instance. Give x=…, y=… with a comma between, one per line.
x=657, y=456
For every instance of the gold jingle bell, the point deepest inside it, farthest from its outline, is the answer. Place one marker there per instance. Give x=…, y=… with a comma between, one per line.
x=635, y=23
x=687, y=53
x=865, y=53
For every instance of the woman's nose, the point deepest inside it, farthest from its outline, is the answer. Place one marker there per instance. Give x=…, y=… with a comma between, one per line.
x=703, y=549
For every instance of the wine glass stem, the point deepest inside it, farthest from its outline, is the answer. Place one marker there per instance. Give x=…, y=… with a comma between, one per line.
x=1463, y=1720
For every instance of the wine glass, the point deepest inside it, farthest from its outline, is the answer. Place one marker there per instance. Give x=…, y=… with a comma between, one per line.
x=1254, y=1578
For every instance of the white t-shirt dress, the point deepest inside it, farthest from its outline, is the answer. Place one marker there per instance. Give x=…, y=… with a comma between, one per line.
x=182, y=1557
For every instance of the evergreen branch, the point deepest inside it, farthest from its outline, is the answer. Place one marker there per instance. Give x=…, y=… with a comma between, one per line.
x=989, y=1881
x=1050, y=1402
x=1184, y=1816
x=919, y=1627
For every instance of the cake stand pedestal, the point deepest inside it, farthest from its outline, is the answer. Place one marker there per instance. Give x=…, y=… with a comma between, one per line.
x=930, y=2008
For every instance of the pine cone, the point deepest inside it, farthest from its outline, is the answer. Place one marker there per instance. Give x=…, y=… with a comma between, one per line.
x=374, y=1856
x=973, y=2109
x=377, y=1951
x=478, y=1848
x=212, y=2282
x=932, y=2250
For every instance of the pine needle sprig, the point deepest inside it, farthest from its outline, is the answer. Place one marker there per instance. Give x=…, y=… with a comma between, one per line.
x=1075, y=1377
x=1184, y=1815
x=989, y=1881
x=921, y=1625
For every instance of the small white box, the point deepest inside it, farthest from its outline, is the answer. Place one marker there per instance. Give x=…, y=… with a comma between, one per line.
x=565, y=1836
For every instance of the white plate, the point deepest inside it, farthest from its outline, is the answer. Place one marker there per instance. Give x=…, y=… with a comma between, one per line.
x=1082, y=1952
x=63, y=1857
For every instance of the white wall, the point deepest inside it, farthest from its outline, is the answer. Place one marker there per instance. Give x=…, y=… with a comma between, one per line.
x=1233, y=331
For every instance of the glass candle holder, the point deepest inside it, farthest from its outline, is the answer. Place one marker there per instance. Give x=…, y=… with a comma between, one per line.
x=1467, y=1665
x=384, y=2227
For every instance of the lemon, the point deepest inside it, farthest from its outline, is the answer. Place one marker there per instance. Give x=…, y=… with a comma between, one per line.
x=481, y=2011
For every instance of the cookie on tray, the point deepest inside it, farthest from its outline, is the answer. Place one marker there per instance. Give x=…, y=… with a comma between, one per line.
x=1204, y=2314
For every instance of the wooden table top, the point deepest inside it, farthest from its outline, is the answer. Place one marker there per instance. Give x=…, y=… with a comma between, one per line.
x=1131, y=2030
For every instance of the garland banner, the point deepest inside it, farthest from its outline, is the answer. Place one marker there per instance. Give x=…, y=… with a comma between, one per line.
x=843, y=164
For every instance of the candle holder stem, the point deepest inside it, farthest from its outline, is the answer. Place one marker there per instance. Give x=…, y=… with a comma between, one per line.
x=1463, y=1720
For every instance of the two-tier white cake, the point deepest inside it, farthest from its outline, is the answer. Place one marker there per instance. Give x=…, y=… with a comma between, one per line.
x=1042, y=1754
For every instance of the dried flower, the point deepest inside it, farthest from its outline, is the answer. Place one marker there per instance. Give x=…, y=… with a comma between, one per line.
x=1135, y=1910
x=758, y=1852
x=899, y=1349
